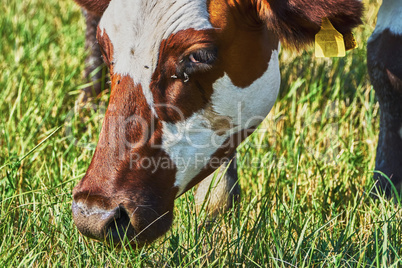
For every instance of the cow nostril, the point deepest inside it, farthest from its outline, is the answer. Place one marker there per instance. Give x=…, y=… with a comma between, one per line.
x=120, y=226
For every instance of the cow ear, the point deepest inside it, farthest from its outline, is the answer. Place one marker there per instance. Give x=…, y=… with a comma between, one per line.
x=296, y=22
x=96, y=7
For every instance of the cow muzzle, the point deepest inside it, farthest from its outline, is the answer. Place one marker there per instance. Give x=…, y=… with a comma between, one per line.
x=112, y=225
x=135, y=221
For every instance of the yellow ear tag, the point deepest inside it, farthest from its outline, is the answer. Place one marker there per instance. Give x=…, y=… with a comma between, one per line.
x=328, y=41
x=350, y=41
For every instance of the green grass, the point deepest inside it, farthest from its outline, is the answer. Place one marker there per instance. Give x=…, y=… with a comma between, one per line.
x=306, y=174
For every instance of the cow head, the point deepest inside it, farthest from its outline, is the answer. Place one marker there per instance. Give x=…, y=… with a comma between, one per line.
x=190, y=80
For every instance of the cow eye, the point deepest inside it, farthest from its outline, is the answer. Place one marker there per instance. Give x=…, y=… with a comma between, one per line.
x=203, y=56
x=200, y=60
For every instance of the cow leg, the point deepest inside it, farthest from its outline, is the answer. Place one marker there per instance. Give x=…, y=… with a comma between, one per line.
x=384, y=61
x=219, y=191
x=92, y=61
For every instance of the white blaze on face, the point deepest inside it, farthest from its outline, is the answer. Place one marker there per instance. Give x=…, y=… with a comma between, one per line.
x=389, y=17
x=136, y=29
x=191, y=143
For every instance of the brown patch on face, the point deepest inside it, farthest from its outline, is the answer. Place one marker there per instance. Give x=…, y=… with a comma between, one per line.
x=179, y=89
x=246, y=42
x=129, y=133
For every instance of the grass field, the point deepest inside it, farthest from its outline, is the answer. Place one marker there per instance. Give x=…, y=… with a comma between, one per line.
x=306, y=174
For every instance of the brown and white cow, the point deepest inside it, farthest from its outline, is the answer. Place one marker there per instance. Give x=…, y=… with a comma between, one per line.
x=384, y=61
x=190, y=79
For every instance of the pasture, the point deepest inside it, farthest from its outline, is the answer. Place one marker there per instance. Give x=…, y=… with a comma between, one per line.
x=306, y=173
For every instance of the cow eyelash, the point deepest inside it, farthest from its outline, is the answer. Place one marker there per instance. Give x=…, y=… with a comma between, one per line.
x=203, y=56
x=199, y=60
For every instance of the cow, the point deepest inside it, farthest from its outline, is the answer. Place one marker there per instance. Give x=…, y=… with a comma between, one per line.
x=190, y=80
x=384, y=62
